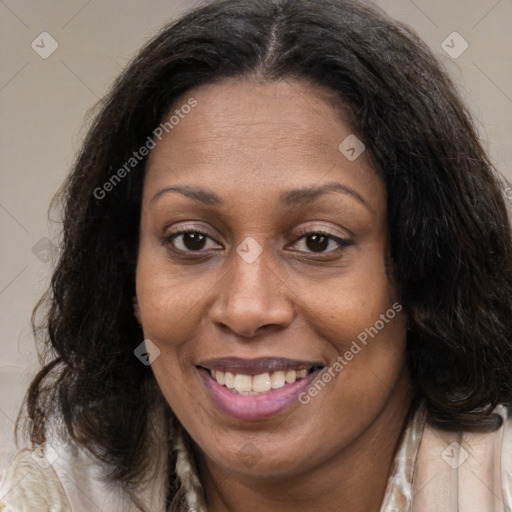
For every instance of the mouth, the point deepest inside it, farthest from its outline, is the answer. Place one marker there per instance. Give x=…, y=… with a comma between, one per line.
x=252, y=385
x=257, y=388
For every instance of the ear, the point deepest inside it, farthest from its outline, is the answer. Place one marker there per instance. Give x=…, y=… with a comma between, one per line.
x=136, y=309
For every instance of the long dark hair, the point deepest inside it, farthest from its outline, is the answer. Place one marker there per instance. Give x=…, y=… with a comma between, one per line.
x=450, y=235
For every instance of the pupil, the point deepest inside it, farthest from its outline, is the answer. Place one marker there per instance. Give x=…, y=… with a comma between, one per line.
x=193, y=241
x=320, y=242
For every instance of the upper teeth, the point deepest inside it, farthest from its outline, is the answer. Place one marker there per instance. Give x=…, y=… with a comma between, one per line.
x=255, y=384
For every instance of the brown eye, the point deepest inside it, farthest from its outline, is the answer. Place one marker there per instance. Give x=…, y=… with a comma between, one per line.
x=188, y=241
x=317, y=242
x=194, y=241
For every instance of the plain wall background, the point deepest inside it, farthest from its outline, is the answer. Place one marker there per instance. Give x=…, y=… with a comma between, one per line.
x=43, y=103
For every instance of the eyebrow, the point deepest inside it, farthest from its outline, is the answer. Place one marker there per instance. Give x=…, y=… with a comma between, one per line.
x=289, y=198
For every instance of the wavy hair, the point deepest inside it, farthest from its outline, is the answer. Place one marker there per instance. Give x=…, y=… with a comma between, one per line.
x=450, y=234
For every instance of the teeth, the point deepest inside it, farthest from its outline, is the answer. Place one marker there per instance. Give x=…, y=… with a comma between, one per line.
x=301, y=374
x=277, y=380
x=220, y=376
x=261, y=383
x=243, y=382
x=290, y=376
x=229, y=379
x=257, y=384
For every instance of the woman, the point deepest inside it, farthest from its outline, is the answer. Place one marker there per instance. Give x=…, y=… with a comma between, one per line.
x=288, y=203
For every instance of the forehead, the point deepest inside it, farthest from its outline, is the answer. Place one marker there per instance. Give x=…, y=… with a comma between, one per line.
x=252, y=137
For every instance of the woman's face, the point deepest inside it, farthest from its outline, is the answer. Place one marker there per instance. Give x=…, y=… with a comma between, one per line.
x=264, y=262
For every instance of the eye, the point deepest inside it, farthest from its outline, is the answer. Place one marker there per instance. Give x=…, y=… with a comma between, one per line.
x=195, y=240
x=188, y=241
x=319, y=241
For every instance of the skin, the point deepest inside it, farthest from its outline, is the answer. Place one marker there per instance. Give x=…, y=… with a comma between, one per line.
x=249, y=141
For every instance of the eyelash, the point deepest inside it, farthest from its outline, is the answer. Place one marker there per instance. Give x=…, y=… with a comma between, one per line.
x=340, y=241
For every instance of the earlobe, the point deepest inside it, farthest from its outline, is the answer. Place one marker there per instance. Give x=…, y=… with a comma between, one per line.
x=136, y=310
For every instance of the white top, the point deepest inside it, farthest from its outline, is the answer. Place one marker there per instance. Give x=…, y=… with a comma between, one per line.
x=434, y=471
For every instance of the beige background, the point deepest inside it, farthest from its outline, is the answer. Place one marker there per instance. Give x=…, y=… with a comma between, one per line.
x=43, y=104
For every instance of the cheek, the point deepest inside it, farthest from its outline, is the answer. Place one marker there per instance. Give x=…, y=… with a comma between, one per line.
x=171, y=305
x=366, y=363
x=343, y=305
x=361, y=319
x=367, y=349
x=370, y=378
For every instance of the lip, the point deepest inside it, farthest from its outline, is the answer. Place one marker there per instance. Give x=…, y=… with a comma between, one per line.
x=255, y=407
x=257, y=366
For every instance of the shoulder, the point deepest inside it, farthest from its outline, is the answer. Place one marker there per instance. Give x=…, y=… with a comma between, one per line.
x=59, y=477
x=63, y=477
x=30, y=484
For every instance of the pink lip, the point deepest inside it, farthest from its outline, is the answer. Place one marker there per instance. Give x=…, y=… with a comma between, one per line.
x=255, y=407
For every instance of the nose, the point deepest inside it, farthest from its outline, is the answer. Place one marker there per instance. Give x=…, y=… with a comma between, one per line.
x=252, y=298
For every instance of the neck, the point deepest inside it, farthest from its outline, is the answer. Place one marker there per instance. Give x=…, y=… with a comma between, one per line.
x=354, y=479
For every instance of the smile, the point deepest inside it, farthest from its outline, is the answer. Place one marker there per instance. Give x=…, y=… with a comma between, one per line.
x=257, y=384
x=243, y=390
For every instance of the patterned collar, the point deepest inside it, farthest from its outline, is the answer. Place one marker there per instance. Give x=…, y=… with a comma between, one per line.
x=433, y=469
